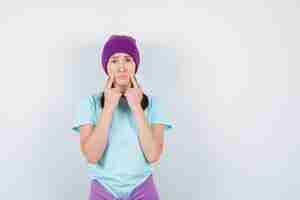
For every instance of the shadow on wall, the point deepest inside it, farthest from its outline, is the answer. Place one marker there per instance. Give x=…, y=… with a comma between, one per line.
x=159, y=66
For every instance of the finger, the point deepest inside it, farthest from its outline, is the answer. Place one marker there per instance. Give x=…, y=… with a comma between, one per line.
x=109, y=82
x=134, y=82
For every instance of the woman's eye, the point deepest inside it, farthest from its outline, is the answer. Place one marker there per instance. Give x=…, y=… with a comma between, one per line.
x=127, y=60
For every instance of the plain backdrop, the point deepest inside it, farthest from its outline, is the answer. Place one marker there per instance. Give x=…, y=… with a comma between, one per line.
x=227, y=70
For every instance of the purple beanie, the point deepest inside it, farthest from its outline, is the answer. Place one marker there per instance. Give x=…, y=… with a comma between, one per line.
x=120, y=44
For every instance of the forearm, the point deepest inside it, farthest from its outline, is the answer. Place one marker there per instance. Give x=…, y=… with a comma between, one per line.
x=96, y=143
x=149, y=145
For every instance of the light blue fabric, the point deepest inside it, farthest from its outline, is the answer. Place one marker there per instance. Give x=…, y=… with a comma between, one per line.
x=123, y=165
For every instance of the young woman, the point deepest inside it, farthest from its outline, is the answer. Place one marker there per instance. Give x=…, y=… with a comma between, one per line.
x=121, y=129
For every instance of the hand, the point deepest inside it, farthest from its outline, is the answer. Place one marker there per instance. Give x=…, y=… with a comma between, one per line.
x=134, y=95
x=111, y=95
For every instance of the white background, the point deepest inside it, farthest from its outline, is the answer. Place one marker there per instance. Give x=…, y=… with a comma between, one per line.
x=228, y=70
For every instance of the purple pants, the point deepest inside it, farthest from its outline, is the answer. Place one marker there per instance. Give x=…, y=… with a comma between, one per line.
x=145, y=191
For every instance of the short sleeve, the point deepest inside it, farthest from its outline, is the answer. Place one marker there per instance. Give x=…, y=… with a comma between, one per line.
x=84, y=113
x=158, y=113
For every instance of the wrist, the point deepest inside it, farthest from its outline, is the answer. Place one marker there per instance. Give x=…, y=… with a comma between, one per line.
x=137, y=108
x=108, y=109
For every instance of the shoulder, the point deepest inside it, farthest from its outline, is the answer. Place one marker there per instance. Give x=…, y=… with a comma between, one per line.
x=154, y=101
x=89, y=101
x=153, y=98
x=150, y=98
x=86, y=99
x=95, y=97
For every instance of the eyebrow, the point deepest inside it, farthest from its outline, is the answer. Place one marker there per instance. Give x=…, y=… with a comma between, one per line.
x=119, y=56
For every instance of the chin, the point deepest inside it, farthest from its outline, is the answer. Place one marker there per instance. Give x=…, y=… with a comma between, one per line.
x=122, y=82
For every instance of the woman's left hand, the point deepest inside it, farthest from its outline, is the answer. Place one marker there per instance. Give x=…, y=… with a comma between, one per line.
x=134, y=95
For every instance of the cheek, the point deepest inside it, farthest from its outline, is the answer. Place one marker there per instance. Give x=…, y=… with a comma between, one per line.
x=131, y=68
x=110, y=70
x=110, y=73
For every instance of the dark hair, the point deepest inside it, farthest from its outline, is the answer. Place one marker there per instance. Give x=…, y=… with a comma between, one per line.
x=144, y=102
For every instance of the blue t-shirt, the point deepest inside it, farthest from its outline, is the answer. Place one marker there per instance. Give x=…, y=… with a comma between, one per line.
x=123, y=165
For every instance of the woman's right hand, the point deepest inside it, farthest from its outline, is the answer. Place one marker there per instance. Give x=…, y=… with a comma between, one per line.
x=111, y=95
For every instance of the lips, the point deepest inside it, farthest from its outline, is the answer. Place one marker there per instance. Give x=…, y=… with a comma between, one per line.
x=123, y=76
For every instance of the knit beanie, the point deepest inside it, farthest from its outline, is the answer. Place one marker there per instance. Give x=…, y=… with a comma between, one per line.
x=120, y=44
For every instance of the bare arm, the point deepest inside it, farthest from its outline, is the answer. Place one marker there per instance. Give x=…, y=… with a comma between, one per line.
x=151, y=137
x=93, y=140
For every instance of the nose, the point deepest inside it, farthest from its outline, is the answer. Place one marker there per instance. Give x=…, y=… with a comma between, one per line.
x=122, y=68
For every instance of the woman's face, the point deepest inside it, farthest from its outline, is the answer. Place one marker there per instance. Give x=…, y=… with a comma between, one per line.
x=121, y=65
